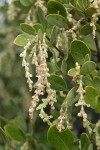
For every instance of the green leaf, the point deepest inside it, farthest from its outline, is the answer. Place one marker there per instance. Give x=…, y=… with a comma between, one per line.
x=88, y=67
x=55, y=7
x=57, y=83
x=71, y=97
x=54, y=34
x=25, y=2
x=93, y=98
x=97, y=107
x=87, y=80
x=70, y=61
x=90, y=147
x=57, y=20
x=85, y=142
x=52, y=67
x=87, y=57
x=91, y=94
x=94, y=73
x=21, y=40
x=15, y=133
x=27, y=28
x=61, y=140
x=20, y=123
x=86, y=29
x=79, y=50
x=96, y=83
x=41, y=17
x=90, y=42
x=72, y=72
x=37, y=27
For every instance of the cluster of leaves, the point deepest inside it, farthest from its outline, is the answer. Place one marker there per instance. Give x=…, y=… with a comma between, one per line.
x=85, y=50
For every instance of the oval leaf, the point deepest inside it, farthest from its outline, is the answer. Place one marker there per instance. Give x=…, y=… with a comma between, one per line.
x=88, y=67
x=91, y=94
x=57, y=83
x=79, y=50
x=90, y=147
x=85, y=142
x=71, y=97
x=96, y=83
x=55, y=7
x=20, y=123
x=27, y=28
x=55, y=19
x=41, y=17
x=86, y=29
x=21, y=40
x=61, y=140
x=87, y=80
x=52, y=67
x=14, y=132
x=37, y=27
x=72, y=72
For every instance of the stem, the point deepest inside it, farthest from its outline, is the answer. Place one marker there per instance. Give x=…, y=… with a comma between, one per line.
x=98, y=49
x=61, y=53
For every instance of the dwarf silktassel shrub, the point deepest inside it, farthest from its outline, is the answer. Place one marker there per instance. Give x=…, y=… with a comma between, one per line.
x=61, y=48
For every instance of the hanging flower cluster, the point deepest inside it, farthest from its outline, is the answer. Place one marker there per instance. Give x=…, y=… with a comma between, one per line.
x=75, y=25
x=25, y=64
x=74, y=30
x=63, y=119
x=81, y=102
x=42, y=85
x=95, y=16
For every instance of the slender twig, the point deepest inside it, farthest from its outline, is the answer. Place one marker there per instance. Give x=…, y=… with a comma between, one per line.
x=61, y=53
